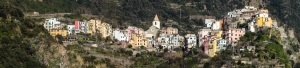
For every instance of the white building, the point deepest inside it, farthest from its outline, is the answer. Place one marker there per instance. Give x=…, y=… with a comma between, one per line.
x=221, y=44
x=251, y=26
x=191, y=40
x=164, y=40
x=209, y=22
x=175, y=40
x=232, y=14
x=83, y=26
x=266, y=15
x=216, y=26
x=119, y=35
x=71, y=28
x=248, y=8
x=52, y=23
x=275, y=25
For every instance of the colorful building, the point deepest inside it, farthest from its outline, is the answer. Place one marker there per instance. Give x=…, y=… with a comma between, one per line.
x=62, y=32
x=213, y=47
x=94, y=25
x=106, y=29
x=169, y=30
x=235, y=34
x=206, y=44
x=77, y=27
x=264, y=22
x=217, y=33
x=138, y=40
x=203, y=33
x=130, y=30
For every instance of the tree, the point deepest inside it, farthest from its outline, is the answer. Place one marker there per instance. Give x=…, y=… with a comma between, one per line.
x=143, y=47
x=129, y=46
x=60, y=38
x=289, y=52
x=137, y=55
x=239, y=62
x=297, y=65
x=166, y=50
x=129, y=52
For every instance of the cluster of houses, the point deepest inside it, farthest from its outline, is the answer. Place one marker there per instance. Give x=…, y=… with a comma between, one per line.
x=220, y=34
x=215, y=36
x=55, y=27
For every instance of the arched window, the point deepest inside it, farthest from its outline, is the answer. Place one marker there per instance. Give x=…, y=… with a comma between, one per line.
x=154, y=23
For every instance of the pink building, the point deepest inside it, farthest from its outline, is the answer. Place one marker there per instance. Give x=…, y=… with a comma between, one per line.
x=203, y=33
x=132, y=30
x=235, y=34
x=206, y=45
x=76, y=25
x=139, y=31
x=128, y=34
x=169, y=30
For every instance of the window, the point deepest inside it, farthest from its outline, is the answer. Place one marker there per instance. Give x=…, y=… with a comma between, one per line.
x=154, y=23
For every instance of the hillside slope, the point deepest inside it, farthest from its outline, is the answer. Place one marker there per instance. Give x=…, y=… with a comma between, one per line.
x=24, y=43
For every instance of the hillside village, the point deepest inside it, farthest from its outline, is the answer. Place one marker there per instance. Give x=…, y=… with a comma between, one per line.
x=215, y=36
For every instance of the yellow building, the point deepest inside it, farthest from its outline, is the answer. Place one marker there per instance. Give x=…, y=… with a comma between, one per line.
x=138, y=40
x=218, y=34
x=269, y=22
x=105, y=29
x=94, y=25
x=264, y=21
x=213, y=47
x=54, y=32
x=260, y=21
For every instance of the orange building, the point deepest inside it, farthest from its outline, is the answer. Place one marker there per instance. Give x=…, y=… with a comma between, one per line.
x=264, y=22
x=62, y=32
x=138, y=40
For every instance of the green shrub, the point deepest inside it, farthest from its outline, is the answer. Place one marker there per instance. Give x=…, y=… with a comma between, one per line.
x=129, y=52
x=129, y=46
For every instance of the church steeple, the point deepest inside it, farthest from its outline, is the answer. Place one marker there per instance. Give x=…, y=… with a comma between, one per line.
x=156, y=22
x=156, y=18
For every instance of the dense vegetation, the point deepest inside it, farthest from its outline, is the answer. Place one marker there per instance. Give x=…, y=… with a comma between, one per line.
x=19, y=39
x=287, y=13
